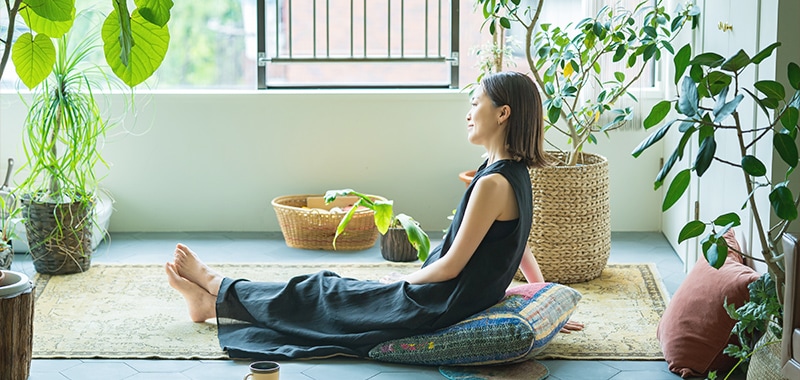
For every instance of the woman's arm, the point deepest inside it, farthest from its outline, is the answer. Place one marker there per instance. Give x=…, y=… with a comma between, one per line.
x=491, y=199
x=530, y=268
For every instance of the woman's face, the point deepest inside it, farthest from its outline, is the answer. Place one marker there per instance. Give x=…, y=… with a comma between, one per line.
x=483, y=118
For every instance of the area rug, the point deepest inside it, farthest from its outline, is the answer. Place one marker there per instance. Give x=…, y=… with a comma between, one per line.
x=129, y=311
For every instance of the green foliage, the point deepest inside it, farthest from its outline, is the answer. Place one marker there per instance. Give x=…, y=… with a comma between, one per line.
x=709, y=98
x=135, y=42
x=566, y=60
x=384, y=219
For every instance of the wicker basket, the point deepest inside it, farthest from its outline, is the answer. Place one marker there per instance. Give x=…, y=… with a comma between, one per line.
x=571, y=229
x=59, y=236
x=310, y=228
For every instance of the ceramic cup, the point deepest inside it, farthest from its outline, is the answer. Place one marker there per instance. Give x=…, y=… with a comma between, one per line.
x=264, y=371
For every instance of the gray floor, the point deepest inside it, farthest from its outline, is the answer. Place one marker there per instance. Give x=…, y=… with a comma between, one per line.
x=631, y=247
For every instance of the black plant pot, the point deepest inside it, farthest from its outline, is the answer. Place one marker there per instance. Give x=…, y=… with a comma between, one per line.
x=396, y=247
x=59, y=236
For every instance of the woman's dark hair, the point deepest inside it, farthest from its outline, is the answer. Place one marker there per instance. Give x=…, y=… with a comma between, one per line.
x=525, y=131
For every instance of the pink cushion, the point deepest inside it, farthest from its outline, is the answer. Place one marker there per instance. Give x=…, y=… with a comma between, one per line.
x=695, y=327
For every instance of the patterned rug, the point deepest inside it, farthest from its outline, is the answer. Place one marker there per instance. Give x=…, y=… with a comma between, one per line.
x=129, y=311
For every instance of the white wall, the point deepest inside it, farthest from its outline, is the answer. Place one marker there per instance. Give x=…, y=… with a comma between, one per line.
x=213, y=161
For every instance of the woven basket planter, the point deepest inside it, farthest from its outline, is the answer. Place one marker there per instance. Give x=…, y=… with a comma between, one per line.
x=311, y=228
x=59, y=236
x=396, y=247
x=571, y=229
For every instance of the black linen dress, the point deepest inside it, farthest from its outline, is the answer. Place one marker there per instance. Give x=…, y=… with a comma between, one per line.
x=323, y=315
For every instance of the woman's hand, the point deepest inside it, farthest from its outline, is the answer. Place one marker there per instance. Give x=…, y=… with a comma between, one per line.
x=571, y=326
x=391, y=278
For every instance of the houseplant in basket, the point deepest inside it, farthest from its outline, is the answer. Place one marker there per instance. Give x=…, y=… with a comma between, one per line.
x=402, y=239
x=708, y=106
x=583, y=71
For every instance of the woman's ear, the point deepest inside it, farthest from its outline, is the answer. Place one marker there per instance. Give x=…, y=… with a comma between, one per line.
x=505, y=113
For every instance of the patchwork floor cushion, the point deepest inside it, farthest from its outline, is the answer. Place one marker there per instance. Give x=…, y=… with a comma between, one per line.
x=517, y=328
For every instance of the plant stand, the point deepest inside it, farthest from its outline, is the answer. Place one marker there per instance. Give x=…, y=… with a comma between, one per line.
x=396, y=247
x=571, y=229
x=59, y=236
x=16, y=333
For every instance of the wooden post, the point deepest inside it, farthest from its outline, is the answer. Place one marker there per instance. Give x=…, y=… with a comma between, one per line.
x=16, y=336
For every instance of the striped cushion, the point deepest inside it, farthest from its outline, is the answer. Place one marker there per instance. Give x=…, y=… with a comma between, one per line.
x=517, y=328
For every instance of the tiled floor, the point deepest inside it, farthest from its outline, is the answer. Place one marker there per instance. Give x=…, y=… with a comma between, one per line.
x=269, y=247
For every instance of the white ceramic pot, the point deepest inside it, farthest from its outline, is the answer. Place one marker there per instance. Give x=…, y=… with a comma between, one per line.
x=13, y=283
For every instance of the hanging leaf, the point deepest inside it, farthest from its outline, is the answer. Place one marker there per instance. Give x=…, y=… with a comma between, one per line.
x=764, y=53
x=687, y=104
x=676, y=189
x=33, y=58
x=654, y=138
x=706, y=154
x=146, y=54
x=692, y=229
x=730, y=220
x=794, y=75
x=716, y=252
x=681, y=61
x=770, y=88
x=657, y=114
x=737, y=62
x=786, y=148
x=790, y=118
x=753, y=166
x=782, y=203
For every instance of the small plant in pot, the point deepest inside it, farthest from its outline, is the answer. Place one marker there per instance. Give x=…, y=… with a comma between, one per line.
x=402, y=239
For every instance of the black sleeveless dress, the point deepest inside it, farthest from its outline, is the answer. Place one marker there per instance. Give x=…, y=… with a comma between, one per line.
x=322, y=314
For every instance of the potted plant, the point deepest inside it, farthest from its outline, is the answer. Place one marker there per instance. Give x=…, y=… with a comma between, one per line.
x=708, y=104
x=400, y=234
x=573, y=66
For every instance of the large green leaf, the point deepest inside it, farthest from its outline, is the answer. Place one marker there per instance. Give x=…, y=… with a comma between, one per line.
x=43, y=25
x=786, y=148
x=33, y=58
x=55, y=10
x=416, y=236
x=692, y=229
x=794, y=75
x=728, y=108
x=652, y=139
x=708, y=59
x=789, y=118
x=782, y=203
x=717, y=81
x=687, y=104
x=658, y=113
x=771, y=88
x=155, y=11
x=736, y=62
x=716, y=252
x=753, y=166
x=681, y=61
x=148, y=51
x=705, y=155
x=677, y=188
x=764, y=53
x=731, y=219
x=383, y=216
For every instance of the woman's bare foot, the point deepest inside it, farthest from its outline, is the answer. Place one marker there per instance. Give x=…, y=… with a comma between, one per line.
x=572, y=326
x=189, y=266
x=201, y=304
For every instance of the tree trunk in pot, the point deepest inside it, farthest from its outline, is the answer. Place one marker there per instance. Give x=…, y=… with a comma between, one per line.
x=16, y=335
x=396, y=247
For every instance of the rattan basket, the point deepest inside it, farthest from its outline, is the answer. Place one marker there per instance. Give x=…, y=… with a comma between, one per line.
x=571, y=229
x=310, y=228
x=59, y=236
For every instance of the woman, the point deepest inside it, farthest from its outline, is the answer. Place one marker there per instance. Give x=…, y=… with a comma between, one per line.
x=323, y=314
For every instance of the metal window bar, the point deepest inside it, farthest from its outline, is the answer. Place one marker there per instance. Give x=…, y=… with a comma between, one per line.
x=283, y=51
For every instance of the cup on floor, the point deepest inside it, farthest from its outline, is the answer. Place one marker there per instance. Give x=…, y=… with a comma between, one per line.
x=264, y=370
